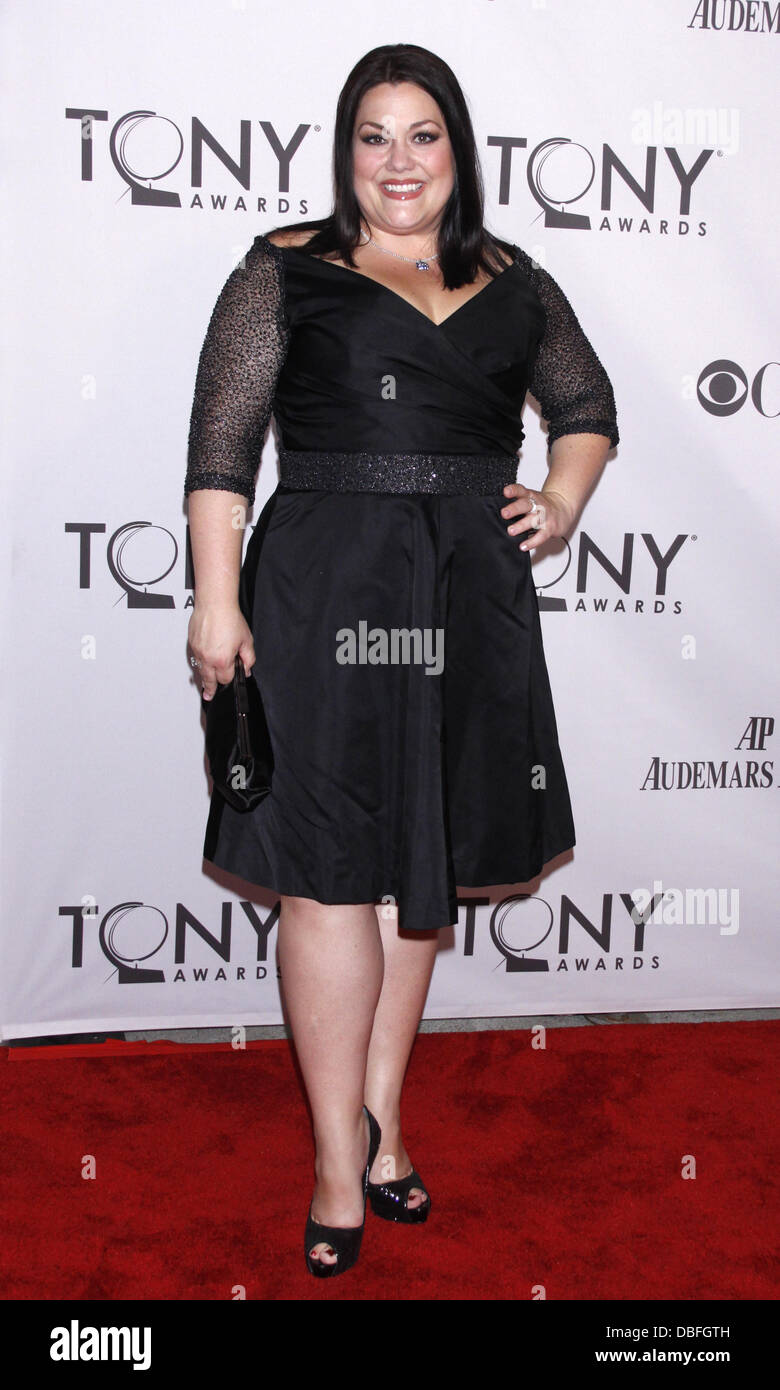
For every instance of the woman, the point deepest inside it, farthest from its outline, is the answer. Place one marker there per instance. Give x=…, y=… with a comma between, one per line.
x=394, y=342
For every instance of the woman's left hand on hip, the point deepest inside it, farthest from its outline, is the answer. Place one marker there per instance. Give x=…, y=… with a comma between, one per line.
x=548, y=512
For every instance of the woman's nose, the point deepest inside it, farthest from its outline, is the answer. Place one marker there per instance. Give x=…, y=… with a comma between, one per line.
x=398, y=158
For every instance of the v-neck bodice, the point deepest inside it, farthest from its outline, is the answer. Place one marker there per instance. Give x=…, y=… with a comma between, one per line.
x=366, y=370
x=348, y=365
x=388, y=289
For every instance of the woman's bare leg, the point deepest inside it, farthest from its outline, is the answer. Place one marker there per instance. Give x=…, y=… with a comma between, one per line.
x=331, y=965
x=409, y=960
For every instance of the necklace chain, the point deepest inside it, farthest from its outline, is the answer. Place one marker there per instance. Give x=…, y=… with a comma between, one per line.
x=419, y=261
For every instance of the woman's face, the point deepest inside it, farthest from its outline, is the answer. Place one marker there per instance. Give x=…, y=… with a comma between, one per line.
x=403, y=165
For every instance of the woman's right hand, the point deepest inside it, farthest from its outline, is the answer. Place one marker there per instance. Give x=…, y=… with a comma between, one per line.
x=215, y=634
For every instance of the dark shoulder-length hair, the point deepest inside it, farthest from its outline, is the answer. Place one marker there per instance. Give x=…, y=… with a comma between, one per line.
x=465, y=246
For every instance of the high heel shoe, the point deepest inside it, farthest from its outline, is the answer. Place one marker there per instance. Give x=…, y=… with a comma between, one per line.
x=389, y=1199
x=344, y=1241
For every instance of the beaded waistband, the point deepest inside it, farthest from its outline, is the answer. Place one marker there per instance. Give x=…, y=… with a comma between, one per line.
x=363, y=472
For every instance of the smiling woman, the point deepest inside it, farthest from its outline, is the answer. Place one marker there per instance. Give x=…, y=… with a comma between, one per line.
x=394, y=341
x=403, y=175
x=402, y=155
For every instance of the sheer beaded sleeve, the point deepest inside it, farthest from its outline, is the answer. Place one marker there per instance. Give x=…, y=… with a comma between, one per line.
x=242, y=355
x=568, y=379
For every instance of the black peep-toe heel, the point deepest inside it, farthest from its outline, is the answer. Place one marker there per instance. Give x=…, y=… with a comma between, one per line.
x=388, y=1199
x=344, y=1241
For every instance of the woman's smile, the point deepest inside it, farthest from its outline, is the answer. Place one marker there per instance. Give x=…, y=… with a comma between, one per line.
x=403, y=190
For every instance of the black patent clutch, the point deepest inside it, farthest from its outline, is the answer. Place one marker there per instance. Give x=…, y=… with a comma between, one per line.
x=238, y=744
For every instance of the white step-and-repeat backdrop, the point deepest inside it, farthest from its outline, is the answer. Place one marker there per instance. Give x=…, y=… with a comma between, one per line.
x=632, y=150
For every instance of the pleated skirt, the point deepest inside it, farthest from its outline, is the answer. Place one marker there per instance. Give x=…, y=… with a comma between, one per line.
x=407, y=765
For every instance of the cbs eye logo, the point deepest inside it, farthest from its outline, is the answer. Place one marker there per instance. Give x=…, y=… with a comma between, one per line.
x=723, y=388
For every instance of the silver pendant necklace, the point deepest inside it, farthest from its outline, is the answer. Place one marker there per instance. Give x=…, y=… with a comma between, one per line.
x=418, y=261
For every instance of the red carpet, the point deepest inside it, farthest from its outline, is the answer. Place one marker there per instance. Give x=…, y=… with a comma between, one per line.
x=557, y=1167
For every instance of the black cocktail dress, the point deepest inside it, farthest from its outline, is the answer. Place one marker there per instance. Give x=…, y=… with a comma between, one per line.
x=396, y=625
